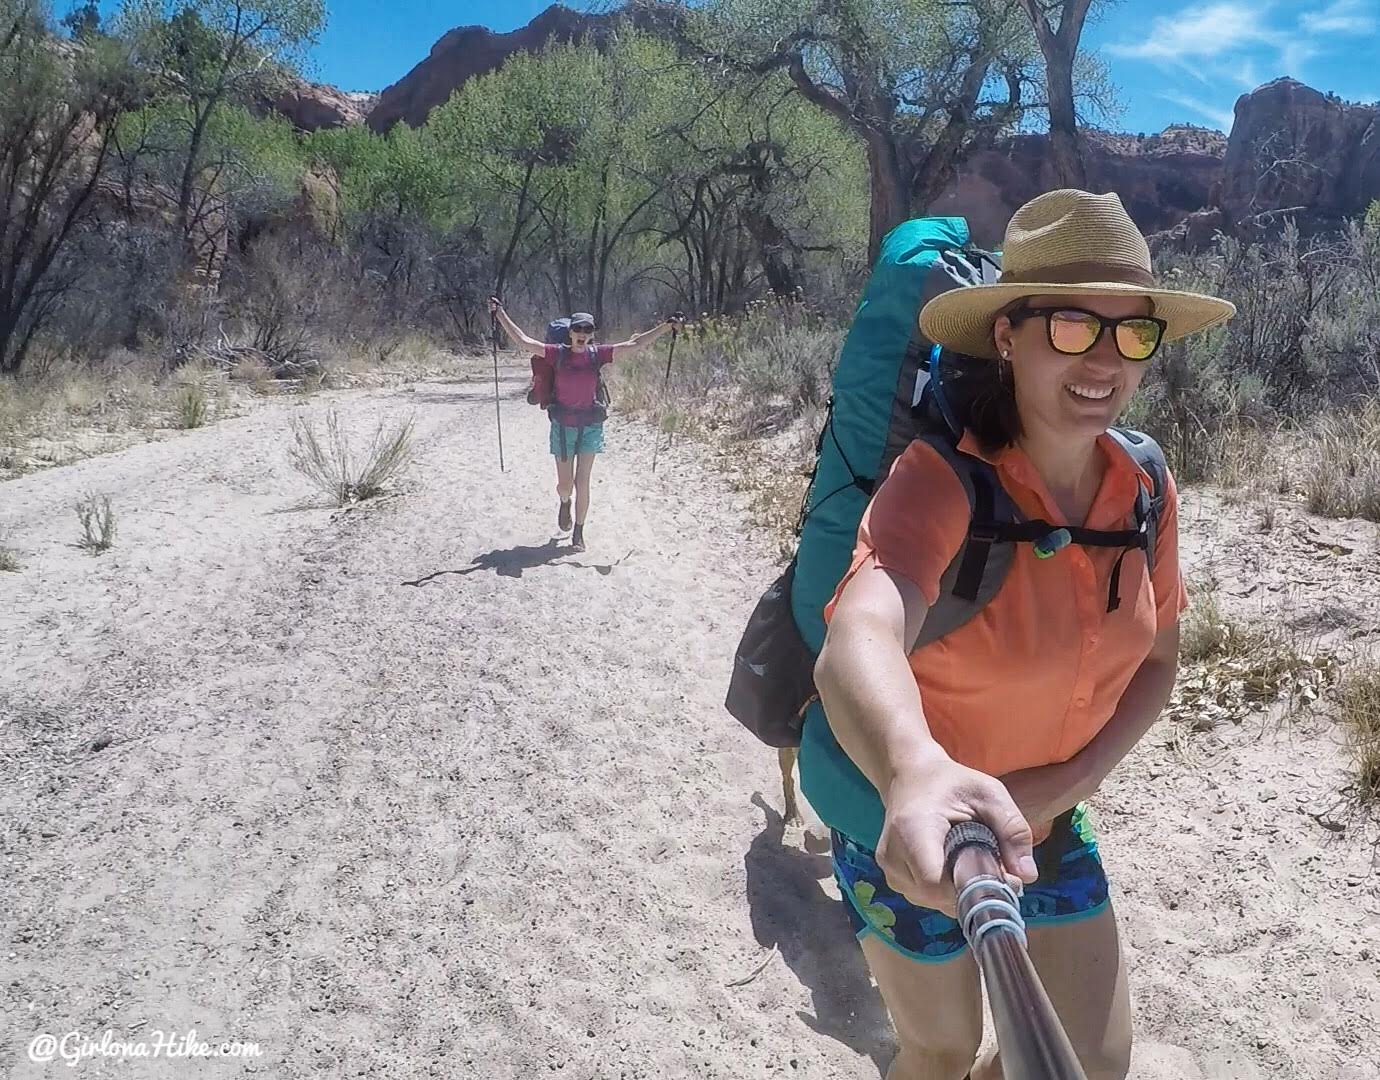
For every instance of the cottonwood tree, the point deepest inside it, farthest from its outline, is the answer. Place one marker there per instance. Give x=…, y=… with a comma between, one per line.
x=1059, y=46
x=559, y=144
x=207, y=54
x=59, y=108
x=919, y=82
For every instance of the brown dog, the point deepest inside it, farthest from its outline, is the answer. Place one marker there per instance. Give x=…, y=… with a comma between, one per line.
x=786, y=757
x=816, y=839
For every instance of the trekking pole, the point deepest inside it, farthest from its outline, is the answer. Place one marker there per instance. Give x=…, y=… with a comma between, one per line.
x=1031, y=1040
x=498, y=411
x=666, y=386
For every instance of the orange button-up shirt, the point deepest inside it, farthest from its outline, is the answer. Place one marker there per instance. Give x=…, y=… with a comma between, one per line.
x=1039, y=671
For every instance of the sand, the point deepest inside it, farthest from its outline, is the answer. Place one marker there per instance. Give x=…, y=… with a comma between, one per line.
x=414, y=790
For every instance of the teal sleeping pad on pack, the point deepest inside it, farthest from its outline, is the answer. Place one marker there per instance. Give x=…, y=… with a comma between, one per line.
x=870, y=424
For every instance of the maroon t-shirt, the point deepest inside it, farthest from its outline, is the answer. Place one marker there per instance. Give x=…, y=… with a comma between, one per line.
x=577, y=373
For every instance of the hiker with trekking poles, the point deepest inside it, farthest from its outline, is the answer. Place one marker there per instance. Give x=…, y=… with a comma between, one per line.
x=1002, y=634
x=567, y=381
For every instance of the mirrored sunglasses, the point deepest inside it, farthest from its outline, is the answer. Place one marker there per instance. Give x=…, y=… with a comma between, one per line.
x=1073, y=331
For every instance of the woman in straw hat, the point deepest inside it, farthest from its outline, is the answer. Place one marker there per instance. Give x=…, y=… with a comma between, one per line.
x=1021, y=713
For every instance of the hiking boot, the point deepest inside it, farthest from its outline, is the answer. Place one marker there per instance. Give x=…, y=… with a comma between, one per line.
x=563, y=519
x=577, y=538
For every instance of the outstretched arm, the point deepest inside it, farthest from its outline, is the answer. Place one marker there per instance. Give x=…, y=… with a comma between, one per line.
x=877, y=715
x=639, y=341
x=514, y=331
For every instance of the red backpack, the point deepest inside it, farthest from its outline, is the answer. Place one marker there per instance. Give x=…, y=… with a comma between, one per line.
x=543, y=383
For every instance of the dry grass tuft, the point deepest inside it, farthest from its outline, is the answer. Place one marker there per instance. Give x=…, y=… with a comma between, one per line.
x=344, y=475
x=189, y=404
x=1232, y=668
x=1340, y=463
x=97, y=519
x=1358, y=696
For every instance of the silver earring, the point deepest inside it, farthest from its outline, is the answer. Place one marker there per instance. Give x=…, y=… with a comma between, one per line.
x=1005, y=353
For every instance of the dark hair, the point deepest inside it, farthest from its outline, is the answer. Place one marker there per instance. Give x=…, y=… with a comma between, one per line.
x=982, y=395
x=982, y=398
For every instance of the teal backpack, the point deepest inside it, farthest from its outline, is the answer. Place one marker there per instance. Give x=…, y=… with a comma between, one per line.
x=889, y=389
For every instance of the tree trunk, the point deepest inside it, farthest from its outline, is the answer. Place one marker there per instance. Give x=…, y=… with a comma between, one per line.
x=1059, y=47
x=35, y=232
x=1064, y=143
x=890, y=203
x=606, y=251
x=10, y=358
x=597, y=231
x=563, y=278
x=691, y=277
x=519, y=222
x=187, y=185
x=773, y=249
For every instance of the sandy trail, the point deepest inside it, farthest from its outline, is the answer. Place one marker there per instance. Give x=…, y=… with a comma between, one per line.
x=414, y=790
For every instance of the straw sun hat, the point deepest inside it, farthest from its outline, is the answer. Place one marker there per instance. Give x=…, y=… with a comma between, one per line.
x=1066, y=242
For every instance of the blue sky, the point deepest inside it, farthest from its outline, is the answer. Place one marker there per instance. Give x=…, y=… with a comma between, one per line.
x=1191, y=61
x=370, y=44
x=1172, y=61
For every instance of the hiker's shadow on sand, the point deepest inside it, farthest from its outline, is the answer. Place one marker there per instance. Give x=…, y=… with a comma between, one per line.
x=512, y=562
x=792, y=912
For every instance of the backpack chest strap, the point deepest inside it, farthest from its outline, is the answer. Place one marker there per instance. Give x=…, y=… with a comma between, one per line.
x=986, y=529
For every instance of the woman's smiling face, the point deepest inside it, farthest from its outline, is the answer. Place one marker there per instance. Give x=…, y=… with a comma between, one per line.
x=1063, y=394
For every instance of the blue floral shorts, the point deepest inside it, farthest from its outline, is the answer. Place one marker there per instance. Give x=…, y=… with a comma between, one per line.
x=1074, y=887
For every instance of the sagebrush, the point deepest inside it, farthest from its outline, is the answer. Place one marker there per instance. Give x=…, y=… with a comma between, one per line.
x=97, y=519
x=346, y=474
x=1303, y=346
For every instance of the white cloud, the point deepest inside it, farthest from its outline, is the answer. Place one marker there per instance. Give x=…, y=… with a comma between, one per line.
x=1295, y=54
x=1204, y=33
x=1351, y=17
x=1246, y=74
x=1222, y=118
x=1227, y=40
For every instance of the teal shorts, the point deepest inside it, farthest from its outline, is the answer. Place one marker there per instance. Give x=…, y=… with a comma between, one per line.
x=566, y=442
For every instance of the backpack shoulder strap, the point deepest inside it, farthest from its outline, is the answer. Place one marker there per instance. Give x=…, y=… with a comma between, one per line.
x=1146, y=453
x=978, y=570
